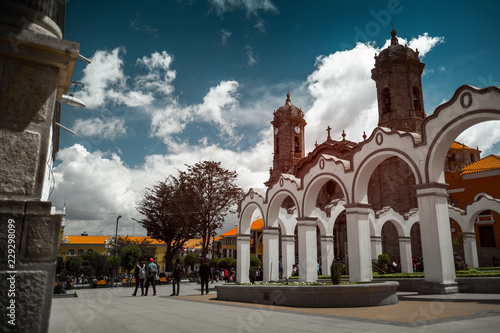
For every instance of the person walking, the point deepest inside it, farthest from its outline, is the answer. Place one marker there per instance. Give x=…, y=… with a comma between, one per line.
x=204, y=275
x=176, y=275
x=140, y=275
x=152, y=270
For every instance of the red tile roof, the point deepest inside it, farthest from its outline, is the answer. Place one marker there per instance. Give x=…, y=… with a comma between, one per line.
x=85, y=239
x=458, y=145
x=491, y=162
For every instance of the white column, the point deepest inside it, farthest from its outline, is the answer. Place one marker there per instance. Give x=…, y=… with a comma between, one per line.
x=405, y=252
x=243, y=258
x=358, y=242
x=270, y=238
x=376, y=242
x=435, y=232
x=288, y=254
x=470, y=249
x=327, y=253
x=308, y=249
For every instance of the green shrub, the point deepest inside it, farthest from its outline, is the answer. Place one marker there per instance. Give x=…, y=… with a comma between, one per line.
x=336, y=270
x=255, y=261
x=383, y=261
x=252, y=274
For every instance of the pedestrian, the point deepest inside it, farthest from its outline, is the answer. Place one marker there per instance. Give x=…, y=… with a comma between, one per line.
x=176, y=275
x=217, y=275
x=204, y=275
x=280, y=269
x=152, y=270
x=140, y=275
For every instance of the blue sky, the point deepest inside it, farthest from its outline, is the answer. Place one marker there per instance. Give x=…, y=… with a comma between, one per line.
x=177, y=82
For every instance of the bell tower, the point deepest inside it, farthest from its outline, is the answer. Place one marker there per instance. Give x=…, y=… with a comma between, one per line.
x=397, y=74
x=288, y=131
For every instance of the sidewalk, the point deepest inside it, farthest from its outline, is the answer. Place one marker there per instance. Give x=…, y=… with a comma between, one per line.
x=116, y=310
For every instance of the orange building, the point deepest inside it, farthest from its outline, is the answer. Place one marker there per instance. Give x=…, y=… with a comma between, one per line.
x=466, y=185
x=225, y=244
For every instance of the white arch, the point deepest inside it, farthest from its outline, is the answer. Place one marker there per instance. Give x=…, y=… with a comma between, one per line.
x=468, y=106
x=368, y=165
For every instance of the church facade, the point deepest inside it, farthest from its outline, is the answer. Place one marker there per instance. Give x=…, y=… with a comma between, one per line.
x=344, y=197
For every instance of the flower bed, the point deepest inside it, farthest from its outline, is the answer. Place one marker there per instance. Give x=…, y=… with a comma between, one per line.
x=312, y=296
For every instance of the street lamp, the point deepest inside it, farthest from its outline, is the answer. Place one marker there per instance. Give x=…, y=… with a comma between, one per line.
x=114, y=255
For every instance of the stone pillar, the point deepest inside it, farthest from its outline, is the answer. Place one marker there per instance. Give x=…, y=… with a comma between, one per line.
x=376, y=242
x=308, y=249
x=470, y=249
x=270, y=255
x=243, y=258
x=405, y=252
x=36, y=66
x=288, y=254
x=358, y=244
x=437, y=248
x=327, y=253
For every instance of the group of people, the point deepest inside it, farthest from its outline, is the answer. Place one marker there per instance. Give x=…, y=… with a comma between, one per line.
x=148, y=273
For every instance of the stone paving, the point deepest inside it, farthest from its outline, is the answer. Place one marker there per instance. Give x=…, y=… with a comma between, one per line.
x=116, y=310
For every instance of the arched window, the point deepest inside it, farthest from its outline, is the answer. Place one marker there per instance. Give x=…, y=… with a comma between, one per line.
x=386, y=100
x=80, y=252
x=71, y=252
x=90, y=250
x=416, y=99
x=297, y=146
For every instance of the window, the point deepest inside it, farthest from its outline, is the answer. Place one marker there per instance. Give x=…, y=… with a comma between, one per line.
x=90, y=250
x=486, y=236
x=71, y=252
x=80, y=252
x=416, y=99
x=386, y=100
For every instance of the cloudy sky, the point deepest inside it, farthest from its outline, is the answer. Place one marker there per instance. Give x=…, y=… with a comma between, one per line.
x=174, y=82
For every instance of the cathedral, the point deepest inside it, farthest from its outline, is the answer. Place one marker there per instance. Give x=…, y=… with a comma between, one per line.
x=386, y=194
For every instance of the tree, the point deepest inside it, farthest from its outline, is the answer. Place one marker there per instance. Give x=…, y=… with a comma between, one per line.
x=147, y=250
x=214, y=194
x=130, y=254
x=168, y=215
x=73, y=265
x=97, y=261
x=191, y=259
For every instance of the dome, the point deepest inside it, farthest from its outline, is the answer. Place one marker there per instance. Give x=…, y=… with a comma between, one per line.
x=289, y=110
x=396, y=52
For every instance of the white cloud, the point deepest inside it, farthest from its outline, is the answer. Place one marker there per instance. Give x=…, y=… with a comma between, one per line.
x=159, y=77
x=424, y=43
x=105, y=82
x=250, y=57
x=344, y=95
x=108, y=129
x=486, y=136
x=97, y=187
x=218, y=108
x=225, y=34
x=251, y=6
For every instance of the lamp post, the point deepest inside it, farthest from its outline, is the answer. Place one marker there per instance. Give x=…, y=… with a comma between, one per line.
x=114, y=253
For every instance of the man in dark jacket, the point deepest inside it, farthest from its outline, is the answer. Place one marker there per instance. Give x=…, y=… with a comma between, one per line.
x=176, y=275
x=204, y=275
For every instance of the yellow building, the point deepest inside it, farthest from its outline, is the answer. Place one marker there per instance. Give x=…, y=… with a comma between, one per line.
x=71, y=246
x=225, y=244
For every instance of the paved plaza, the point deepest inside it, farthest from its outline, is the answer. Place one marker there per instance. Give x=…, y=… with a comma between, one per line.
x=116, y=310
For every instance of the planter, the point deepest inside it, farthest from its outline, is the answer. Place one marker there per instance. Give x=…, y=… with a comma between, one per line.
x=329, y=296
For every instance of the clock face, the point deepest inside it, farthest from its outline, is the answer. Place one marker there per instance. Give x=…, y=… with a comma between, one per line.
x=276, y=131
x=297, y=129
